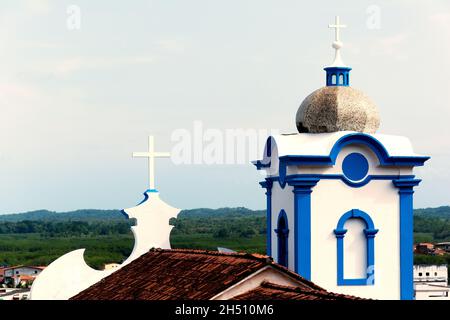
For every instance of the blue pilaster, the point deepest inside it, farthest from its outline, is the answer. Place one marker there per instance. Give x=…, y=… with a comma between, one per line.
x=268, y=186
x=302, y=224
x=406, y=191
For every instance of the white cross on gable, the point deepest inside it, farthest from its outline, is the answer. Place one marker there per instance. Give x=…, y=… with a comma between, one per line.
x=337, y=26
x=151, y=155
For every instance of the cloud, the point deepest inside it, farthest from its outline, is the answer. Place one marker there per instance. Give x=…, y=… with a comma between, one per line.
x=352, y=48
x=171, y=45
x=392, y=46
x=10, y=90
x=38, y=6
x=75, y=64
x=441, y=19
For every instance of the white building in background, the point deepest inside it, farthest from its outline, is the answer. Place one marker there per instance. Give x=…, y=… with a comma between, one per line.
x=443, y=245
x=20, y=274
x=111, y=266
x=431, y=282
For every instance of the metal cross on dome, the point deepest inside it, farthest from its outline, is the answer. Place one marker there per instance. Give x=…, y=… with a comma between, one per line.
x=337, y=26
x=151, y=155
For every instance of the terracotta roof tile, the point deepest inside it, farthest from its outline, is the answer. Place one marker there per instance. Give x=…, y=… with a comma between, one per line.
x=182, y=275
x=271, y=291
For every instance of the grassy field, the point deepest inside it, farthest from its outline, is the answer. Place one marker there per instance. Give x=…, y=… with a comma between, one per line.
x=255, y=244
x=34, y=249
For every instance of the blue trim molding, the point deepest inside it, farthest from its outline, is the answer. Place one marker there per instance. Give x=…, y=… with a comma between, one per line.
x=282, y=232
x=267, y=184
x=370, y=233
x=330, y=160
x=406, y=191
x=302, y=224
x=352, y=138
x=146, y=195
x=342, y=177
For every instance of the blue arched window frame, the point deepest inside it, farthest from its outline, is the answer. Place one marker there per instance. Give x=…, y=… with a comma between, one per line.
x=282, y=239
x=370, y=233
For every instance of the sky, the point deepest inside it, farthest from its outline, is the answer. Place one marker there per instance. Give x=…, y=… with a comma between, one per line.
x=83, y=83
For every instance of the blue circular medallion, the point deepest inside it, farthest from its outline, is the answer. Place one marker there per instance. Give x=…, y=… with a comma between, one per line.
x=355, y=166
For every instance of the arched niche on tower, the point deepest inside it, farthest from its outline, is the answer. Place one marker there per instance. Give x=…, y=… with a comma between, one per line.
x=282, y=232
x=369, y=261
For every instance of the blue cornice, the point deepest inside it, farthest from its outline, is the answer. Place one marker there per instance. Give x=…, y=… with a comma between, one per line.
x=330, y=160
x=406, y=183
x=267, y=184
x=302, y=182
x=314, y=178
x=355, y=138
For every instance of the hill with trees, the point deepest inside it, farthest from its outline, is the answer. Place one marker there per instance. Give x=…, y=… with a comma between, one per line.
x=39, y=237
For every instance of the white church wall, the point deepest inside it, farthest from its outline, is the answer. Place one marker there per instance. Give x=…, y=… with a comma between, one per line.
x=283, y=199
x=253, y=281
x=330, y=200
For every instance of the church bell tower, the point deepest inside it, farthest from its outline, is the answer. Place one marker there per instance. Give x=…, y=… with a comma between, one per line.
x=340, y=195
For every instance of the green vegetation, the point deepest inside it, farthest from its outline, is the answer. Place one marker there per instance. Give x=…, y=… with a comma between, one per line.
x=236, y=229
x=50, y=229
x=79, y=215
x=430, y=259
x=34, y=249
x=439, y=212
x=432, y=229
x=39, y=237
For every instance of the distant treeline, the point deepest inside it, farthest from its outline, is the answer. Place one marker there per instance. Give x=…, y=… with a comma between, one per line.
x=431, y=224
x=78, y=215
x=431, y=229
x=220, y=223
x=222, y=226
x=66, y=228
x=39, y=237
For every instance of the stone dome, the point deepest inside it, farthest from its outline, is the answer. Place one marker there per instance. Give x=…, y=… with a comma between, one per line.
x=337, y=108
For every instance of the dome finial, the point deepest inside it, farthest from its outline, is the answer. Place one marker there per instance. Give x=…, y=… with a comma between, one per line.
x=337, y=44
x=338, y=74
x=337, y=107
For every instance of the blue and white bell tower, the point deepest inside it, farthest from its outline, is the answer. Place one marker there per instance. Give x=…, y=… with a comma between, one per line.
x=340, y=196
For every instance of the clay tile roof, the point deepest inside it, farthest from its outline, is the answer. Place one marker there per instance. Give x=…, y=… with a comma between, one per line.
x=271, y=291
x=26, y=277
x=181, y=274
